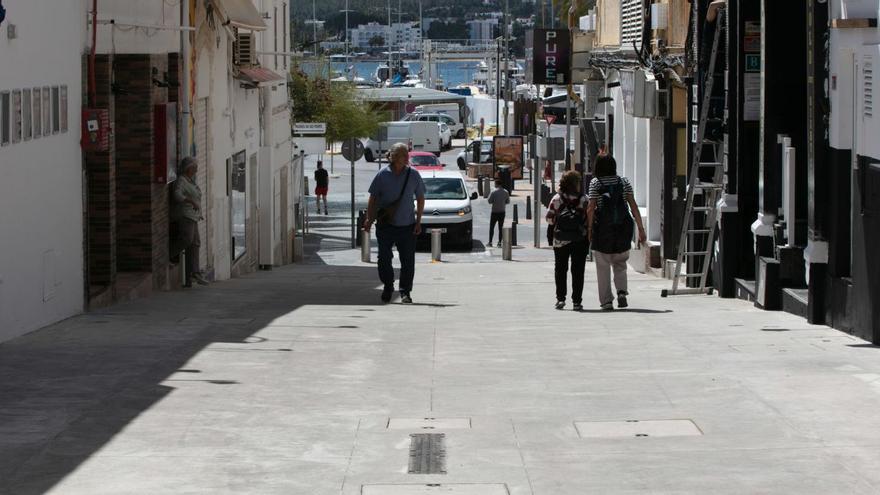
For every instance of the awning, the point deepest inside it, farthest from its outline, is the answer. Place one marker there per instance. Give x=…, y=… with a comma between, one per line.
x=242, y=14
x=257, y=75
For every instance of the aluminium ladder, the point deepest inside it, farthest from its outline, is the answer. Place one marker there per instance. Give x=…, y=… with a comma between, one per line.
x=692, y=253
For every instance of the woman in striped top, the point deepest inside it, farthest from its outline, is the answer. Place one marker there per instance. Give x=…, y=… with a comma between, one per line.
x=611, y=211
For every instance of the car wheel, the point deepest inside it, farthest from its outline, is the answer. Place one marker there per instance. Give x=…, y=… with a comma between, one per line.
x=461, y=134
x=461, y=164
x=368, y=155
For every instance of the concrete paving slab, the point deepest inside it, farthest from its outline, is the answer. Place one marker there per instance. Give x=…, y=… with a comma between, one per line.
x=280, y=382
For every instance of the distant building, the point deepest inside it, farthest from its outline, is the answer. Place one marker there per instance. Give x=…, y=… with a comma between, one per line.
x=482, y=29
x=403, y=35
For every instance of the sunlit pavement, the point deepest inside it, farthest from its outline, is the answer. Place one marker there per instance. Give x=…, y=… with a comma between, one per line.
x=299, y=381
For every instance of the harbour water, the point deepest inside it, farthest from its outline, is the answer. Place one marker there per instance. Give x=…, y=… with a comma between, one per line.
x=453, y=73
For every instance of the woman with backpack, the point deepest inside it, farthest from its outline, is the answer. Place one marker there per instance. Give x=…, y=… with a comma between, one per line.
x=567, y=233
x=610, y=214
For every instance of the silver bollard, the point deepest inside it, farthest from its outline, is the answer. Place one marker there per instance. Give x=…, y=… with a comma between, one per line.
x=365, y=246
x=507, y=244
x=436, y=240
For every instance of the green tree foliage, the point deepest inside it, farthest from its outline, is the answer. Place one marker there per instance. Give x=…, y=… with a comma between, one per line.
x=376, y=41
x=561, y=10
x=452, y=30
x=316, y=99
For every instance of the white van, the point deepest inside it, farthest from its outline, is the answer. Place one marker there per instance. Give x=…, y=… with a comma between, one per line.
x=419, y=136
x=452, y=111
x=448, y=206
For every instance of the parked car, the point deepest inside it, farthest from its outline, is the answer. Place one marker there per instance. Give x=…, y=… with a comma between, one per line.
x=419, y=136
x=421, y=160
x=455, y=126
x=445, y=137
x=448, y=206
x=467, y=155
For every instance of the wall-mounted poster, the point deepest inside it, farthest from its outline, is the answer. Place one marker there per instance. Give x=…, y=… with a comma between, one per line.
x=509, y=154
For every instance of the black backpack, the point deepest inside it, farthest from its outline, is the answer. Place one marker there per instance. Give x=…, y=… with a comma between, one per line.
x=570, y=225
x=613, y=223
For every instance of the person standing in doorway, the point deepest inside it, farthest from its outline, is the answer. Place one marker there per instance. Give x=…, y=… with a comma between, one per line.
x=397, y=201
x=499, y=199
x=322, y=185
x=610, y=216
x=187, y=212
x=567, y=233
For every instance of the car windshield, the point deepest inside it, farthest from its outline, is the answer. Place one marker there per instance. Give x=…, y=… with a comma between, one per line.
x=444, y=188
x=423, y=160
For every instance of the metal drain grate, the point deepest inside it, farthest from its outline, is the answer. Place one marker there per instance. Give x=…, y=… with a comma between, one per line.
x=637, y=428
x=428, y=423
x=427, y=453
x=437, y=489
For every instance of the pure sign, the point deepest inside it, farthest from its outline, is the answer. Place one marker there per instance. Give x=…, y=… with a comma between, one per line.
x=552, y=56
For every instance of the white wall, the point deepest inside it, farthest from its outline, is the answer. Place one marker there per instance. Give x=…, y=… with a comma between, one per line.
x=41, y=201
x=123, y=37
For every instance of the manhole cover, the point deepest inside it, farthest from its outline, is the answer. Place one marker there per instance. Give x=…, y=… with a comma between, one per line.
x=437, y=488
x=429, y=423
x=637, y=428
x=427, y=453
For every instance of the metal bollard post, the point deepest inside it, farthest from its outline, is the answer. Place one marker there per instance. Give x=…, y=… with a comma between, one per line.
x=528, y=207
x=436, y=240
x=513, y=232
x=506, y=246
x=365, y=246
x=306, y=192
x=480, y=186
x=515, y=213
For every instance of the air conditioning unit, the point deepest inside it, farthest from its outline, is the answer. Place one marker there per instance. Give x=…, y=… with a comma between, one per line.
x=245, y=49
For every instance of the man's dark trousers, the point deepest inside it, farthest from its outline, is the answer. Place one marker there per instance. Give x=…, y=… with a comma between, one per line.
x=405, y=240
x=499, y=219
x=577, y=252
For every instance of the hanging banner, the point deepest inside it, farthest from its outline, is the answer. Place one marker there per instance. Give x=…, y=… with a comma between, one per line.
x=552, y=56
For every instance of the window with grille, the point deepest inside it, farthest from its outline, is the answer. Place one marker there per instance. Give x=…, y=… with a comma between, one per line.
x=868, y=72
x=631, y=22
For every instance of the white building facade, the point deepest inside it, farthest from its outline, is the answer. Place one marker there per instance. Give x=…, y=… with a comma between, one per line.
x=403, y=35
x=482, y=29
x=41, y=193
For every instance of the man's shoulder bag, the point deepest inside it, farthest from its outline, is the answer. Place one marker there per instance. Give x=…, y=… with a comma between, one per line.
x=385, y=215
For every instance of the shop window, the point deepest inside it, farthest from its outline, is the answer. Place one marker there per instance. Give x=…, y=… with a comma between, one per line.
x=47, y=112
x=16, y=116
x=56, y=109
x=38, y=113
x=63, y=108
x=238, y=211
x=27, y=129
x=5, y=111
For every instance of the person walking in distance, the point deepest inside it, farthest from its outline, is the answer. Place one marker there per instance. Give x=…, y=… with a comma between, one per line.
x=567, y=233
x=187, y=212
x=610, y=214
x=499, y=198
x=322, y=185
x=397, y=200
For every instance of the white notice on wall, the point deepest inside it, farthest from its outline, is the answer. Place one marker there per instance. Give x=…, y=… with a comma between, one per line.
x=752, y=97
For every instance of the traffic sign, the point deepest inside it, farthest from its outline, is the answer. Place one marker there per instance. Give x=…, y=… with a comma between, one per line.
x=352, y=149
x=550, y=118
x=312, y=128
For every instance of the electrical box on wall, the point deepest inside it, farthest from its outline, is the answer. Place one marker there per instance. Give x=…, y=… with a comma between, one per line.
x=165, y=143
x=641, y=96
x=868, y=107
x=95, y=130
x=841, y=95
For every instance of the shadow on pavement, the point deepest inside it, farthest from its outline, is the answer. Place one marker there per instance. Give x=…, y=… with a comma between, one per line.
x=627, y=310
x=68, y=389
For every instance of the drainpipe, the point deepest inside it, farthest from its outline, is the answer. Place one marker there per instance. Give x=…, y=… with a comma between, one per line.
x=185, y=104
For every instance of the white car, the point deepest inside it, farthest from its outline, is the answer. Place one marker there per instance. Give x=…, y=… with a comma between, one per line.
x=448, y=206
x=457, y=128
x=467, y=155
x=445, y=136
